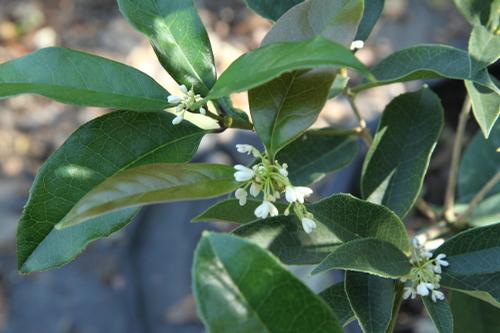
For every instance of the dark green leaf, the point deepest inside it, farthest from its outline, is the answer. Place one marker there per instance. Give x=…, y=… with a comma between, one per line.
x=150, y=184
x=271, y=9
x=79, y=78
x=178, y=38
x=473, y=315
x=371, y=14
x=317, y=153
x=484, y=286
x=484, y=47
x=240, y=288
x=480, y=12
x=336, y=297
x=395, y=166
x=485, y=105
x=368, y=255
x=269, y=62
x=440, y=313
x=231, y=211
x=371, y=298
x=96, y=151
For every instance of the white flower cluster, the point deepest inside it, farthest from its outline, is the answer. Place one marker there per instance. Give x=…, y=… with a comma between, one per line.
x=425, y=275
x=271, y=179
x=184, y=103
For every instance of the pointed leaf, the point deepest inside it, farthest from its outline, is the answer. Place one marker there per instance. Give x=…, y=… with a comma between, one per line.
x=336, y=297
x=371, y=14
x=485, y=105
x=150, y=184
x=317, y=153
x=480, y=12
x=484, y=47
x=371, y=298
x=473, y=315
x=271, y=9
x=96, y=151
x=368, y=255
x=240, y=288
x=395, y=166
x=178, y=38
x=440, y=313
x=79, y=78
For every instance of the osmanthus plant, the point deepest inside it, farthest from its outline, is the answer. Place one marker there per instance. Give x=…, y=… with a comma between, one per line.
x=94, y=184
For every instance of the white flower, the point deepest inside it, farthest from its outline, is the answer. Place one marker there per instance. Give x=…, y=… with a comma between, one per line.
x=183, y=89
x=172, y=99
x=203, y=111
x=243, y=173
x=283, y=170
x=255, y=189
x=177, y=120
x=423, y=288
x=409, y=292
x=436, y=268
x=437, y=295
x=308, y=224
x=241, y=195
x=357, y=44
x=298, y=193
x=440, y=260
x=245, y=149
x=265, y=209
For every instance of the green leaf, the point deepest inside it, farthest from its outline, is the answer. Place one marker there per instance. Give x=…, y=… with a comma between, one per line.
x=317, y=153
x=268, y=62
x=231, y=211
x=485, y=105
x=178, y=38
x=96, y=151
x=371, y=298
x=271, y=9
x=79, y=78
x=338, y=86
x=240, y=288
x=340, y=218
x=480, y=12
x=336, y=297
x=395, y=166
x=473, y=315
x=474, y=173
x=428, y=61
x=286, y=239
x=368, y=255
x=371, y=14
x=440, y=313
x=484, y=47
x=150, y=184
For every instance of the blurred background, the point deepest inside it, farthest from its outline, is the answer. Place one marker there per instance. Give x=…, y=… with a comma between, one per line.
x=139, y=280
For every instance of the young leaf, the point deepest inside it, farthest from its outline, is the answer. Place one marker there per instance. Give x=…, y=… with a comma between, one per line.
x=473, y=315
x=484, y=47
x=395, y=166
x=96, y=151
x=479, y=12
x=79, y=78
x=371, y=14
x=231, y=211
x=336, y=297
x=485, y=105
x=178, y=38
x=271, y=61
x=317, y=153
x=440, y=313
x=368, y=255
x=371, y=298
x=271, y=9
x=152, y=183
x=240, y=288
x=286, y=239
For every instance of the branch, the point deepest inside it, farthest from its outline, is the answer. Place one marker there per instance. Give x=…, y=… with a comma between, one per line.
x=362, y=130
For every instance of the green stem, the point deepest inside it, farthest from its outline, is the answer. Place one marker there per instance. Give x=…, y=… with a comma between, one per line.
x=362, y=130
x=397, y=305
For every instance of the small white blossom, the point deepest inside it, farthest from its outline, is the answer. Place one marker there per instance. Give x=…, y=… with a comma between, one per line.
x=203, y=111
x=172, y=99
x=184, y=103
x=266, y=209
x=241, y=195
x=440, y=260
x=437, y=295
x=297, y=193
x=409, y=292
x=243, y=173
x=246, y=149
x=283, y=170
x=255, y=189
x=183, y=89
x=357, y=44
x=177, y=120
x=308, y=224
x=424, y=288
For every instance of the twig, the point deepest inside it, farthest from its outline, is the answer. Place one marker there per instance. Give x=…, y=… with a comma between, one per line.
x=449, y=200
x=426, y=209
x=362, y=130
x=478, y=198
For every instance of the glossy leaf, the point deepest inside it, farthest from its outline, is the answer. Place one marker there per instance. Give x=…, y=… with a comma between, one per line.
x=368, y=255
x=178, y=38
x=79, y=78
x=371, y=14
x=480, y=12
x=150, y=184
x=336, y=297
x=440, y=313
x=473, y=315
x=240, y=288
x=485, y=105
x=231, y=211
x=96, y=151
x=371, y=298
x=318, y=153
x=271, y=9
x=396, y=163
x=269, y=62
